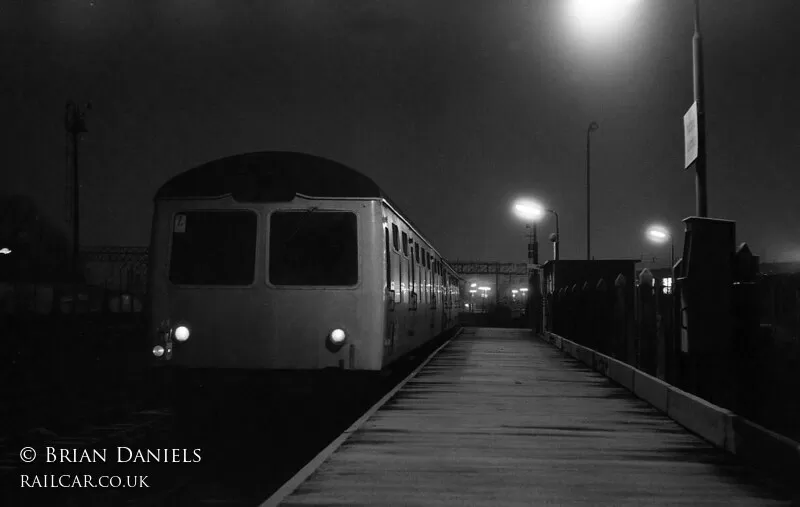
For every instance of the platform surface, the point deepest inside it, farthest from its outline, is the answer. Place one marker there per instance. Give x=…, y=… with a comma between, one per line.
x=499, y=418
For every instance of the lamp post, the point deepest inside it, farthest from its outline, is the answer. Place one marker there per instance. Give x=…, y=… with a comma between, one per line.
x=529, y=210
x=592, y=127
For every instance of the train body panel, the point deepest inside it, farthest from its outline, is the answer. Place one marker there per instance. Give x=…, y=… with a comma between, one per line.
x=267, y=268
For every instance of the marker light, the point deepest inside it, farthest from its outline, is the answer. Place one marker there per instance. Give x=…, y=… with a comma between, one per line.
x=181, y=333
x=337, y=336
x=158, y=351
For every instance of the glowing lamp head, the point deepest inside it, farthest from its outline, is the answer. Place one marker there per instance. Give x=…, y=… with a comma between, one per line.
x=158, y=351
x=658, y=234
x=182, y=333
x=528, y=210
x=338, y=336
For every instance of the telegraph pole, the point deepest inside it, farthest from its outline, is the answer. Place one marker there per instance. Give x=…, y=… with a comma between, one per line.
x=75, y=124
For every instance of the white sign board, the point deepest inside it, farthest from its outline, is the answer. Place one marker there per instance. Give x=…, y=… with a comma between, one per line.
x=180, y=223
x=690, y=135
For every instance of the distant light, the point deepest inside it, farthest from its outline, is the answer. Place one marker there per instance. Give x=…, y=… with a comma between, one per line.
x=529, y=210
x=473, y=291
x=158, y=351
x=600, y=12
x=524, y=289
x=474, y=285
x=484, y=288
x=658, y=234
x=337, y=336
x=514, y=291
x=5, y=251
x=466, y=305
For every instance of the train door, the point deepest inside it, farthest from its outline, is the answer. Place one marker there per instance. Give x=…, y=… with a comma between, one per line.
x=391, y=293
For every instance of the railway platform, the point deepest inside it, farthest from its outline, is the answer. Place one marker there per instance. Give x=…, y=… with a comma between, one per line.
x=501, y=418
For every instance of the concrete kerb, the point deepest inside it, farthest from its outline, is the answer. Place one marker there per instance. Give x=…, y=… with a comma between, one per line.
x=721, y=427
x=711, y=422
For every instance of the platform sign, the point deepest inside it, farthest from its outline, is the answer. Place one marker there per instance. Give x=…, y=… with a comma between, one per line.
x=690, y=139
x=180, y=223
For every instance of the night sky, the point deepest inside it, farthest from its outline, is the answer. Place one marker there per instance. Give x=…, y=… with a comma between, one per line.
x=454, y=108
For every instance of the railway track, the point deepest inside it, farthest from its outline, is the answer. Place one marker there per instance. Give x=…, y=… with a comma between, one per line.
x=250, y=445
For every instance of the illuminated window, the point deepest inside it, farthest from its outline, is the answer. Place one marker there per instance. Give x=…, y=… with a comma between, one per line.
x=395, y=240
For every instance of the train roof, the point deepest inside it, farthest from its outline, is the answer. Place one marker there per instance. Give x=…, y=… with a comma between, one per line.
x=270, y=176
x=275, y=176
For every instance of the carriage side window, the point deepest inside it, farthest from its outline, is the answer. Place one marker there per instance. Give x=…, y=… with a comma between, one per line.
x=405, y=244
x=424, y=253
x=213, y=248
x=395, y=240
x=309, y=247
x=416, y=251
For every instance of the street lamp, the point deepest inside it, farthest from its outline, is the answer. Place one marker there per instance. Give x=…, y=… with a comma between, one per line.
x=529, y=210
x=659, y=234
x=602, y=12
x=592, y=127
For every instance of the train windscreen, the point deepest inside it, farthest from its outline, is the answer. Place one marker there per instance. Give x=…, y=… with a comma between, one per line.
x=213, y=248
x=318, y=248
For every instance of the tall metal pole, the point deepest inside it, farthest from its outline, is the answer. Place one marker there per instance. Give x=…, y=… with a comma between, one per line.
x=75, y=125
x=592, y=127
x=700, y=163
x=671, y=252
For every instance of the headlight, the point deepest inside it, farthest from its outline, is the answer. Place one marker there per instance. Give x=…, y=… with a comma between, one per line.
x=338, y=336
x=181, y=333
x=158, y=351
